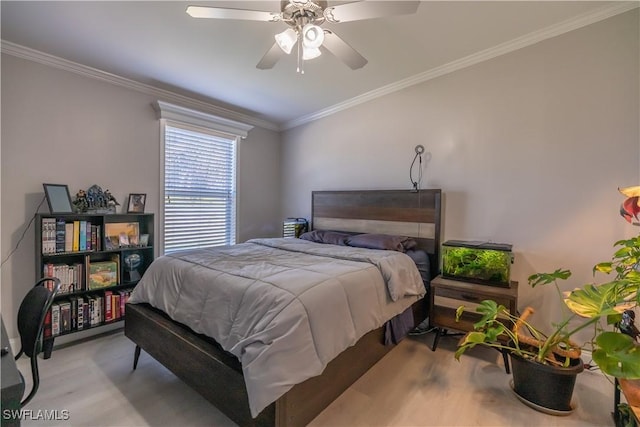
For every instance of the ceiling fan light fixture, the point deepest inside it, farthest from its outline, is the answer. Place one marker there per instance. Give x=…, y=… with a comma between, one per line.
x=310, y=53
x=312, y=36
x=286, y=40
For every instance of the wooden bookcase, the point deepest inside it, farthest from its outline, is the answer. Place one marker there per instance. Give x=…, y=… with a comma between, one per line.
x=95, y=274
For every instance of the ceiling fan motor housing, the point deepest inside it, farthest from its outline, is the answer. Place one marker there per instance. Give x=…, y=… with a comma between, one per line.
x=299, y=12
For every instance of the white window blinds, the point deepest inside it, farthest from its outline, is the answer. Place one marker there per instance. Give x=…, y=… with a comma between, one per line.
x=199, y=189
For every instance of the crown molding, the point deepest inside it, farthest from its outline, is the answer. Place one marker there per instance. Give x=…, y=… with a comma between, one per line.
x=478, y=57
x=63, y=64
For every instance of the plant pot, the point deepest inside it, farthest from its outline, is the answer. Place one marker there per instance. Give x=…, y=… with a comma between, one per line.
x=548, y=388
x=631, y=390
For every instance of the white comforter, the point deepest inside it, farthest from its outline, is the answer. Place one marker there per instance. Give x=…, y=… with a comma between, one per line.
x=283, y=307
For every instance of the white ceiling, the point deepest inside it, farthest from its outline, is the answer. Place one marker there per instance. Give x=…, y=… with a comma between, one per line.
x=158, y=44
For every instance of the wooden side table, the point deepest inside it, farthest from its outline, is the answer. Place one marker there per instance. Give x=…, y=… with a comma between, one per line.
x=447, y=295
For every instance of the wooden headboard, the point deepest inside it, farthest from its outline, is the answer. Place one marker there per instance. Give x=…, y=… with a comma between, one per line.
x=398, y=212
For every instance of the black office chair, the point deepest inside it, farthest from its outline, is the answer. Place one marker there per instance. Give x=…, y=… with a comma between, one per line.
x=31, y=316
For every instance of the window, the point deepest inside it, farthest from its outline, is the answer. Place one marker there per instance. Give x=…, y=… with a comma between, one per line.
x=199, y=179
x=199, y=189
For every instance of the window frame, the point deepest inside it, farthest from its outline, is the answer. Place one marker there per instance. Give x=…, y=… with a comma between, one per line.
x=196, y=121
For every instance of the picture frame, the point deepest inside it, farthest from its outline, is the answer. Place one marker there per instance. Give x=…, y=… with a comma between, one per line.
x=133, y=240
x=136, y=202
x=120, y=234
x=58, y=198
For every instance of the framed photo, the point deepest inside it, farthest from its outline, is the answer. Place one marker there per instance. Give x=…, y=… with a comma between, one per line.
x=136, y=203
x=58, y=198
x=133, y=240
x=120, y=234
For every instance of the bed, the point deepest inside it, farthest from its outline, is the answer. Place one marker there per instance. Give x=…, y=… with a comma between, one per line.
x=218, y=375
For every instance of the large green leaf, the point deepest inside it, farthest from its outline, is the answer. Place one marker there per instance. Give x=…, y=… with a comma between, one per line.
x=593, y=301
x=489, y=311
x=473, y=338
x=617, y=354
x=603, y=267
x=546, y=278
x=469, y=341
x=494, y=331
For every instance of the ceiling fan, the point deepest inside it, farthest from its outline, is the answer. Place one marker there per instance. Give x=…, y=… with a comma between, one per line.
x=304, y=19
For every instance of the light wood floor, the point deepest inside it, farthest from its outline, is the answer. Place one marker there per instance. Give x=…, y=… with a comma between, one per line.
x=411, y=386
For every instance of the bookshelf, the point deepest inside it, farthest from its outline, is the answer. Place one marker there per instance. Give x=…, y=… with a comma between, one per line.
x=99, y=259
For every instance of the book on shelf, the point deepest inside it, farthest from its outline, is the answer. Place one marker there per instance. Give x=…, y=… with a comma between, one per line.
x=79, y=313
x=60, y=234
x=65, y=317
x=48, y=235
x=94, y=315
x=86, y=316
x=82, y=237
x=76, y=236
x=124, y=297
x=74, y=313
x=88, y=237
x=68, y=237
x=107, y=306
x=98, y=238
x=94, y=238
x=98, y=310
x=55, y=319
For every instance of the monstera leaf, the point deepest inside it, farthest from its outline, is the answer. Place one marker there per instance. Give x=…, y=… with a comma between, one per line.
x=546, y=278
x=486, y=330
x=594, y=301
x=617, y=355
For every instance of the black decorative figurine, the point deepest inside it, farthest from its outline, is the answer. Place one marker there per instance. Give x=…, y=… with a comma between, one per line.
x=627, y=324
x=94, y=200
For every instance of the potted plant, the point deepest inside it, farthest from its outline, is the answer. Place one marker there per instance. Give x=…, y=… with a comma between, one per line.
x=551, y=359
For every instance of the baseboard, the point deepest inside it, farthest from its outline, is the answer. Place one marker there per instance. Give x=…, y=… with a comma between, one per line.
x=76, y=337
x=80, y=336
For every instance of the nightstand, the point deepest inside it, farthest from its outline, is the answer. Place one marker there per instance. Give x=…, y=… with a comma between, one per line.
x=448, y=294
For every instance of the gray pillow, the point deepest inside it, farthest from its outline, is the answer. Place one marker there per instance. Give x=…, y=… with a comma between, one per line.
x=382, y=241
x=326, y=236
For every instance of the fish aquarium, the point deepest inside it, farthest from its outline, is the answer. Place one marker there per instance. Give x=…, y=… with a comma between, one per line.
x=480, y=262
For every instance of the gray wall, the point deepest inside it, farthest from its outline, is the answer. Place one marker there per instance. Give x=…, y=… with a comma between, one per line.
x=61, y=127
x=529, y=149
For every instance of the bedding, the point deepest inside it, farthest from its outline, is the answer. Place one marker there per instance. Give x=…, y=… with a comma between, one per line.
x=283, y=307
x=421, y=259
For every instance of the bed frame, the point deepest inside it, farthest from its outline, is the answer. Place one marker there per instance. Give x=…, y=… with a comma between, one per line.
x=217, y=375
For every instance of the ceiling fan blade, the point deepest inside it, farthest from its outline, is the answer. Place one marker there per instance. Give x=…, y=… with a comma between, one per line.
x=270, y=58
x=369, y=10
x=224, y=13
x=343, y=51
